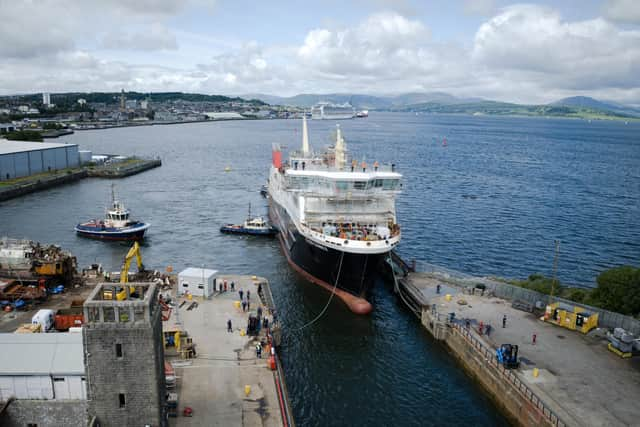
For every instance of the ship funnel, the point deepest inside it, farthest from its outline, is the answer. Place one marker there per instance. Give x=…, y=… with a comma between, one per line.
x=305, y=137
x=340, y=149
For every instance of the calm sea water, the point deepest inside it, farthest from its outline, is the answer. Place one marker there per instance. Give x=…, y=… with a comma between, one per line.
x=491, y=201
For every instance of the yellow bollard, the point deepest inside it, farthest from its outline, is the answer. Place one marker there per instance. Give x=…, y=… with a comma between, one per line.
x=254, y=277
x=236, y=304
x=535, y=373
x=242, y=332
x=448, y=297
x=247, y=390
x=189, y=297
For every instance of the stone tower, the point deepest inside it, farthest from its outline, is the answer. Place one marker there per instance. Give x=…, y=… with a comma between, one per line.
x=124, y=356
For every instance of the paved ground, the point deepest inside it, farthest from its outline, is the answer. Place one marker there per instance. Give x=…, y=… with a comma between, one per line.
x=213, y=384
x=585, y=381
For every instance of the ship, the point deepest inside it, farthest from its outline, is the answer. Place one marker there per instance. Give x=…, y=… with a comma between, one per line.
x=335, y=216
x=253, y=226
x=328, y=111
x=116, y=226
x=362, y=114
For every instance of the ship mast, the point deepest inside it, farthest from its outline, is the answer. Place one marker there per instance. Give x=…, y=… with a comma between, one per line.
x=340, y=149
x=305, y=137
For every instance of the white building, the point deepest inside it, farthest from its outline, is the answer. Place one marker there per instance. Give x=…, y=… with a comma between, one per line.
x=46, y=98
x=42, y=366
x=21, y=158
x=196, y=281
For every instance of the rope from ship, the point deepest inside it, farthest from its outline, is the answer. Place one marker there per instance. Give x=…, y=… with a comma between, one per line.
x=396, y=288
x=333, y=292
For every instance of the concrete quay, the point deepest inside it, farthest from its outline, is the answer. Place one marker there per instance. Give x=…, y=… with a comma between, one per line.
x=579, y=381
x=213, y=384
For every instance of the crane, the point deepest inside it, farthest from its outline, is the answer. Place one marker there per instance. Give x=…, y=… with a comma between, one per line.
x=133, y=252
x=120, y=291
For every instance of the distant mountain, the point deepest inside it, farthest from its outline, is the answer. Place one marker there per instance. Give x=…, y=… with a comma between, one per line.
x=362, y=102
x=594, y=104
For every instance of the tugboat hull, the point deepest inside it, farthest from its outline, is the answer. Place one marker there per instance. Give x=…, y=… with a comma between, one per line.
x=115, y=234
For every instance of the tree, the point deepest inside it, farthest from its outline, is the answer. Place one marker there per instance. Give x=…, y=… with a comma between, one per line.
x=618, y=290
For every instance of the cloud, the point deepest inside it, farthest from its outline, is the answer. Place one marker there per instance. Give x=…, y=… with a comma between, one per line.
x=533, y=44
x=623, y=11
x=154, y=37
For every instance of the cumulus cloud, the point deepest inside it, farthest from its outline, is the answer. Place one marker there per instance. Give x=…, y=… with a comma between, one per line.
x=623, y=10
x=534, y=44
x=154, y=37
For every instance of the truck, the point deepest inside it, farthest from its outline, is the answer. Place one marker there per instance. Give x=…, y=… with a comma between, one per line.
x=69, y=317
x=44, y=318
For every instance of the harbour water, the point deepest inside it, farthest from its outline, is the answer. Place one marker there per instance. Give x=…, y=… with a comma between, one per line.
x=491, y=201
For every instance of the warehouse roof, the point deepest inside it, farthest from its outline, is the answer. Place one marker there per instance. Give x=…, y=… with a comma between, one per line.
x=10, y=147
x=41, y=354
x=198, y=272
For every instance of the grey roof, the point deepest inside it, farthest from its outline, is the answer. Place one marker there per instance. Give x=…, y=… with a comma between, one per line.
x=41, y=354
x=9, y=147
x=197, y=272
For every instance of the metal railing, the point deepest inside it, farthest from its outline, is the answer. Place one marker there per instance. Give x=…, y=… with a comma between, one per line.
x=524, y=390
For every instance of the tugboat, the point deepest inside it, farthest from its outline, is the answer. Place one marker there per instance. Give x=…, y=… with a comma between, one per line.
x=252, y=226
x=116, y=225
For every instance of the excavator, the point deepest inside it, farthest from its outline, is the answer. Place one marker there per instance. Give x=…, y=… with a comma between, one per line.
x=121, y=293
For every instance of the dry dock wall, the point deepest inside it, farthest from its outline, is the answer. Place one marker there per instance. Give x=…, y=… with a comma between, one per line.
x=515, y=400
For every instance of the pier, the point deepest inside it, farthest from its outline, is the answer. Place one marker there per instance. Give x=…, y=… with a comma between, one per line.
x=565, y=378
x=227, y=384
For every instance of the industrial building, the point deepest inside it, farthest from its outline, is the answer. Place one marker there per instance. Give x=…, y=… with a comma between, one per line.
x=21, y=158
x=196, y=281
x=42, y=366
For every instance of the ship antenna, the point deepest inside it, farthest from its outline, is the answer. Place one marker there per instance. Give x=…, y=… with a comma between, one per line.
x=305, y=137
x=340, y=149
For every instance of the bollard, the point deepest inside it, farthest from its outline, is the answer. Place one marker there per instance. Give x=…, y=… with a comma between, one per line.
x=247, y=390
x=535, y=373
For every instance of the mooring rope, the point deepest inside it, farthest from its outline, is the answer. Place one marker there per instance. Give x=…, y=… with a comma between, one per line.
x=333, y=292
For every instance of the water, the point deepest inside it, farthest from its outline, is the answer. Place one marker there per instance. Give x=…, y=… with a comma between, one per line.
x=491, y=202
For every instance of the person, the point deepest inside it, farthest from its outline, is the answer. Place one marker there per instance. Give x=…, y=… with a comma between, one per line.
x=244, y=305
x=259, y=351
x=273, y=350
x=225, y=286
x=488, y=330
x=504, y=321
x=259, y=312
x=467, y=323
x=248, y=294
x=438, y=288
x=233, y=286
x=240, y=292
x=229, y=328
x=248, y=304
x=274, y=315
x=265, y=323
x=259, y=288
x=534, y=338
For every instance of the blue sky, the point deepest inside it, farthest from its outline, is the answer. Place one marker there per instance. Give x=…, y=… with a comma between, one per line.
x=524, y=52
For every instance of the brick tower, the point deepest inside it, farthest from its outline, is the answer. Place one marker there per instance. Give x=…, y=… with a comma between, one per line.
x=124, y=355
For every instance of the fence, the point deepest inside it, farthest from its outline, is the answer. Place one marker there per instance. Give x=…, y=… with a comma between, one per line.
x=607, y=319
x=490, y=358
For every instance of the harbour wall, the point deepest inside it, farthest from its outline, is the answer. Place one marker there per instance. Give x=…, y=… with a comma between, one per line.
x=41, y=183
x=606, y=319
x=515, y=400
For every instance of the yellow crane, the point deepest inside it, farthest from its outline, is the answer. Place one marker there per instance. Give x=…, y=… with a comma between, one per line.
x=121, y=293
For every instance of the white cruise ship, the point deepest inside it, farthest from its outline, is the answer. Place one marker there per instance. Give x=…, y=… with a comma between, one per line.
x=336, y=217
x=328, y=111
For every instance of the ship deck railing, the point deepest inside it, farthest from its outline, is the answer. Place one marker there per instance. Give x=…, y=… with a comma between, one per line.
x=358, y=232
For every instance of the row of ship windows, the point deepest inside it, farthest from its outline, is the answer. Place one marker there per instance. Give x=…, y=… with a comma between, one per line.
x=306, y=182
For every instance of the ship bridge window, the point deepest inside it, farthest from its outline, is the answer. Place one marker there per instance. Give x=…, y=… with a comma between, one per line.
x=360, y=185
x=343, y=185
x=390, y=184
x=377, y=183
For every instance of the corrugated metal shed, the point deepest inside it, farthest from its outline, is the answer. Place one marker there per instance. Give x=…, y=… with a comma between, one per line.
x=41, y=354
x=10, y=147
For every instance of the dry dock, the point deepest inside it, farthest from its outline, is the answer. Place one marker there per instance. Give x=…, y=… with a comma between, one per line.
x=214, y=383
x=579, y=382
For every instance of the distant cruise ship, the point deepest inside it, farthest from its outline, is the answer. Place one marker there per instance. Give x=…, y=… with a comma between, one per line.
x=336, y=217
x=327, y=111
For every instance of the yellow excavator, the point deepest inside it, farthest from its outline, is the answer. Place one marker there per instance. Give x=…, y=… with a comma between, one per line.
x=121, y=293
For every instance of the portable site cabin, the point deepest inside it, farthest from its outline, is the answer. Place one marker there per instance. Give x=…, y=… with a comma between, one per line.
x=196, y=281
x=571, y=317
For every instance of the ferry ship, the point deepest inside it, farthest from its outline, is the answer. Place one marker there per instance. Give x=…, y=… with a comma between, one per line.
x=336, y=217
x=327, y=111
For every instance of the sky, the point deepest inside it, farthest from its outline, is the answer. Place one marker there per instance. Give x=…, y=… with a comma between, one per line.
x=534, y=52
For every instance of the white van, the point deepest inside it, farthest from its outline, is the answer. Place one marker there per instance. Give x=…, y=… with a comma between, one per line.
x=45, y=318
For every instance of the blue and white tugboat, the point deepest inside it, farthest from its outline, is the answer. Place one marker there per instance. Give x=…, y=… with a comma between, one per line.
x=252, y=226
x=116, y=225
